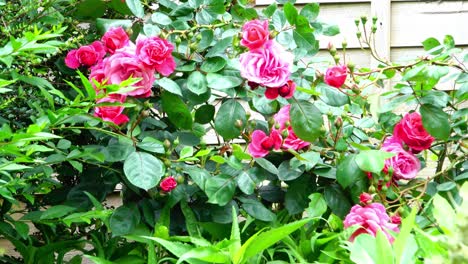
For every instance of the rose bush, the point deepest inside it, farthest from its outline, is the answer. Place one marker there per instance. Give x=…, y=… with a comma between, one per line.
x=221, y=142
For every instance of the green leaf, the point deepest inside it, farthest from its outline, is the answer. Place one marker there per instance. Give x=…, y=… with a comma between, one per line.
x=143, y=170
x=170, y=86
x=263, y=240
x=288, y=173
x=246, y=182
x=204, y=114
x=222, y=82
x=331, y=95
x=363, y=250
x=296, y=198
x=431, y=44
x=337, y=200
x=348, y=171
x=267, y=165
x=117, y=150
x=152, y=145
x=400, y=244
x=372, y=160
x=196, y=83
x=384, y=249
x=124, y=220
x=317, y=206
x=177, y=111
x=213, y=64
x=330, y=30
x=435, y=121
x=257, y=210
x=446, y=186
x=235, y=235
x=306, y=120
x=136, y=7
x=290, y=12
x=209, y=254
x=310, y=11
x=57, y=211
x=306, y=41
x=220, y=189
x=228, y=115
x=220, y=47
x=161, y=19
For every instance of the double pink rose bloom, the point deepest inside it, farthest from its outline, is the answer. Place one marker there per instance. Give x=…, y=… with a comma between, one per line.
x=266, y=63
x=371, y=219
x=281, y=136
x=126, y=60
x=410, y=132
x=336, y=76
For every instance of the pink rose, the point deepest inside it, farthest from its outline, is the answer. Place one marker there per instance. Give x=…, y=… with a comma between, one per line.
x=286, y=91
x=371, y=218
x=112, y=113
x=336, y=76
x=411, y=131
x=114, y=39
x=282, y=121
x=405, y=165
x=254, y=34
x=156, y=53
x=269, y=66
x=124, y=64
x=86, y=55
x=168, y=184
x=261, y=144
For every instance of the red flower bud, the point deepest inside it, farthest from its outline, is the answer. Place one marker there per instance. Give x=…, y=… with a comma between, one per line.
x=168, y=184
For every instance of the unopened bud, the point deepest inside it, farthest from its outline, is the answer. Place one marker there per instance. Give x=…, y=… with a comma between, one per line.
x=190, y=34
x=178, y=40
x=332, y=51
x=167, y=163
x=277, y=126
x=285, y=133
x=330, y=45
x=238, y=123
x=167, y=144
x=363, y=20
x=338, y=122
x=356, y=21
x=350, y=66
x=358, y=34
x=287, y=124
x=374, y=20
x=248, y=114
x=372, y=189
x=344, y=44
x=193, y=46
x=199, y=36
x=176, y=142
x=374, y=29
x=365, y=198
x=180, y=179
